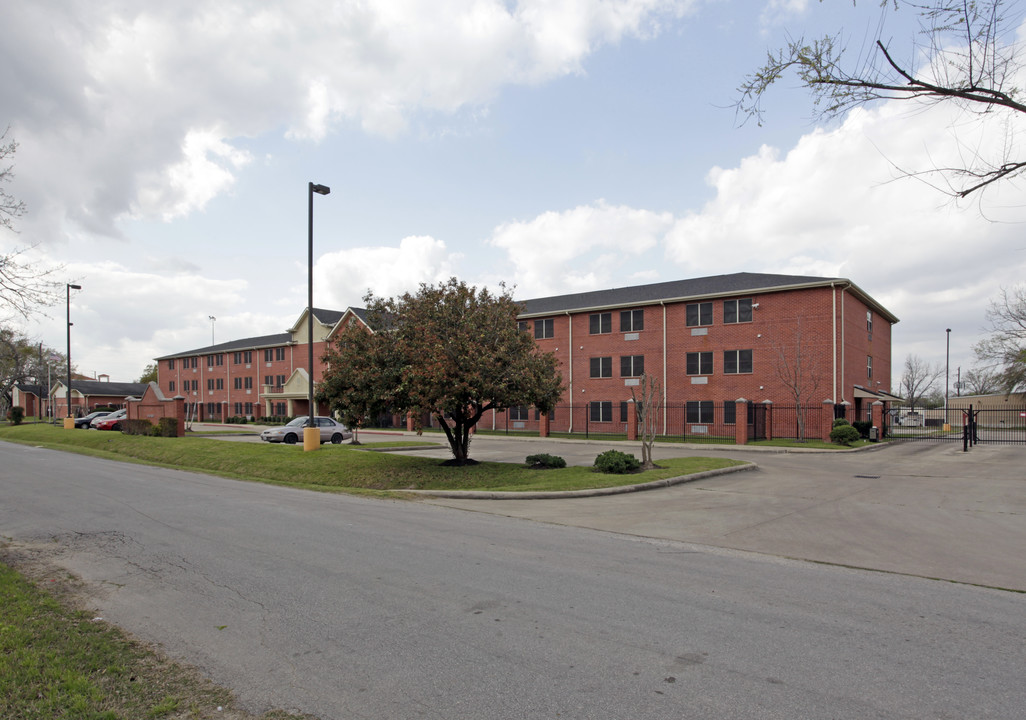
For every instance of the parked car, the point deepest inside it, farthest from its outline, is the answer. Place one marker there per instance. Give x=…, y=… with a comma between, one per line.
x=111, y=422
x=331, y=431
x=85, y=422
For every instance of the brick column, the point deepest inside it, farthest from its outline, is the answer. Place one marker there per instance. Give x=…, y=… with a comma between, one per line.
x=632, y=420
x=741, y=421
x=409, y=422
x=828, y=420
x=543, y=425
x=768, y=404
x=179, y=402
x=877, y=414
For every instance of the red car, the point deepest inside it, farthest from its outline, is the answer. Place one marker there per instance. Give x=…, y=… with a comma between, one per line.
x=111, y=422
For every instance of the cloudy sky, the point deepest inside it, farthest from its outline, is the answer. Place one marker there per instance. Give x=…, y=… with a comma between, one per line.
x=554, y=145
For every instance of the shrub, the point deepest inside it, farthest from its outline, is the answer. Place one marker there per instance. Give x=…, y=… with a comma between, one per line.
x=863, y=427
x=616, y=462
x=544, y=460
x=844, y=435
x=136, y=427
x=167, y=427
x=840, y=421
x=16, y=414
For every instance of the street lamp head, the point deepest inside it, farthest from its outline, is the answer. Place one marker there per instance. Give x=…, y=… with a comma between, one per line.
x=320, y=189
x=74, y=287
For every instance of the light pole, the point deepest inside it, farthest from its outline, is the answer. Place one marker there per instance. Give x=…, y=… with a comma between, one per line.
x=69, y=423
x=947, y=370
x=311, y=435
x=211, y=318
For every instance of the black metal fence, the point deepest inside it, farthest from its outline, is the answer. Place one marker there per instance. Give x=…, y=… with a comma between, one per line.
x=963, y=425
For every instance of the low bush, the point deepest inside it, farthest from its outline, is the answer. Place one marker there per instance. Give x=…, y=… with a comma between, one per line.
x=863, y=427
x=137, y=427
x=167, y=427
x=544, y=460
x=844, y=435
x=16, y=414
x=838, y=422
x=616, y=462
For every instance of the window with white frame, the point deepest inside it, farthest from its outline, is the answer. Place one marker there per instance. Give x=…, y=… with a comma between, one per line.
x=699, y=363
x=600, y=323
x=632, y=365
x=632, y=320
x=698, y=314
x=601, y=367
x=544, y=329
x=699, y=411
x=869, y=367
x=737, y=311
x=737, y=362
x=601, y=411
x=518, y=412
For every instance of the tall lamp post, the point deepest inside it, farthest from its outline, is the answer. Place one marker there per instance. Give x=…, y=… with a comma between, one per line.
x=69, y=422
x=211, y=318
x=311, y=435
x=947, y=370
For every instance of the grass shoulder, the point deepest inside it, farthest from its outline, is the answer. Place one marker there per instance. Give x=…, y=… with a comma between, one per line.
x=60, y=662
x=338, y=468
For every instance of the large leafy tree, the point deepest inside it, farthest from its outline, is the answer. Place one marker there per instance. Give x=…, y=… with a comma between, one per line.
x=22, y=361
x=450, y=350
x=972, y=59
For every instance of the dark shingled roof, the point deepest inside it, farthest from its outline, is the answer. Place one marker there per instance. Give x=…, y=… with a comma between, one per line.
x=241, y=344
x=679, y=290
x=114, y=389
x=674, y=289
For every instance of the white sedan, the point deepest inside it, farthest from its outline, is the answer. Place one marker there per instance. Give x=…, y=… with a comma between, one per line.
x=331, y=431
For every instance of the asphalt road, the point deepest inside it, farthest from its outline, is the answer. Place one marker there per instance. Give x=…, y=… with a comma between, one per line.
x=353, y=608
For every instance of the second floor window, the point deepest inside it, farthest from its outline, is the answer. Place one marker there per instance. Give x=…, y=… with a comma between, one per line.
x=632, y=365
x=737, y=361
x=699, y=363
x=601, y=367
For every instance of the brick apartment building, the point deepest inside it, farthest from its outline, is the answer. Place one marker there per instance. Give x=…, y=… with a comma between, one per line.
x=714, y=339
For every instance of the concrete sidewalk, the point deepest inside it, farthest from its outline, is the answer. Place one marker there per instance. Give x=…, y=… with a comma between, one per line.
x=924, y=509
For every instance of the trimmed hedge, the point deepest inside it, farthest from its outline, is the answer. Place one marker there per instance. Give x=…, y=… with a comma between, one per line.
x=16, y=414
x=844, y=435
x=616, y=462
x=544, y=460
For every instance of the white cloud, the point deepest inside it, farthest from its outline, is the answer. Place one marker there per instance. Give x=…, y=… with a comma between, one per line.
x=341, y=279
x=136, y=109
x=579, y=249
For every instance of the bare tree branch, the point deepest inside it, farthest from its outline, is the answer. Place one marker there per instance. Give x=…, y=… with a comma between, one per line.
x=975, y=62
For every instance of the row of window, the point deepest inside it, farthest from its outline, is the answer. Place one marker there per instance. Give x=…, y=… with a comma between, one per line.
x=243, y=357
x=696, y=411
x=735, y=362
x=697, y=314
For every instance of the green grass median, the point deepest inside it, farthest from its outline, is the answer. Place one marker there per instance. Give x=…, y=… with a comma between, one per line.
x=337, y=467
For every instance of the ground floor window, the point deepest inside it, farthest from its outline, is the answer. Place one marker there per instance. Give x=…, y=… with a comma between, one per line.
x=601, y=411
x=700, y=411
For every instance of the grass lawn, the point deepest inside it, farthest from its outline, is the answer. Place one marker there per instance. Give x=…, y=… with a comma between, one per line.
x=56, y=662
x=338, y=467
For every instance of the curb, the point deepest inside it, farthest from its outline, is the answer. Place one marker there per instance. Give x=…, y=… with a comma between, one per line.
x=595, y=492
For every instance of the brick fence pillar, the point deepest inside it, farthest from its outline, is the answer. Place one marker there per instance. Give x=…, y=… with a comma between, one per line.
x=543, y=425
x=877, y=414
x=741, y=421
x=828, y=420
x=632, y=420
x=409, y=422
x=768, y=404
